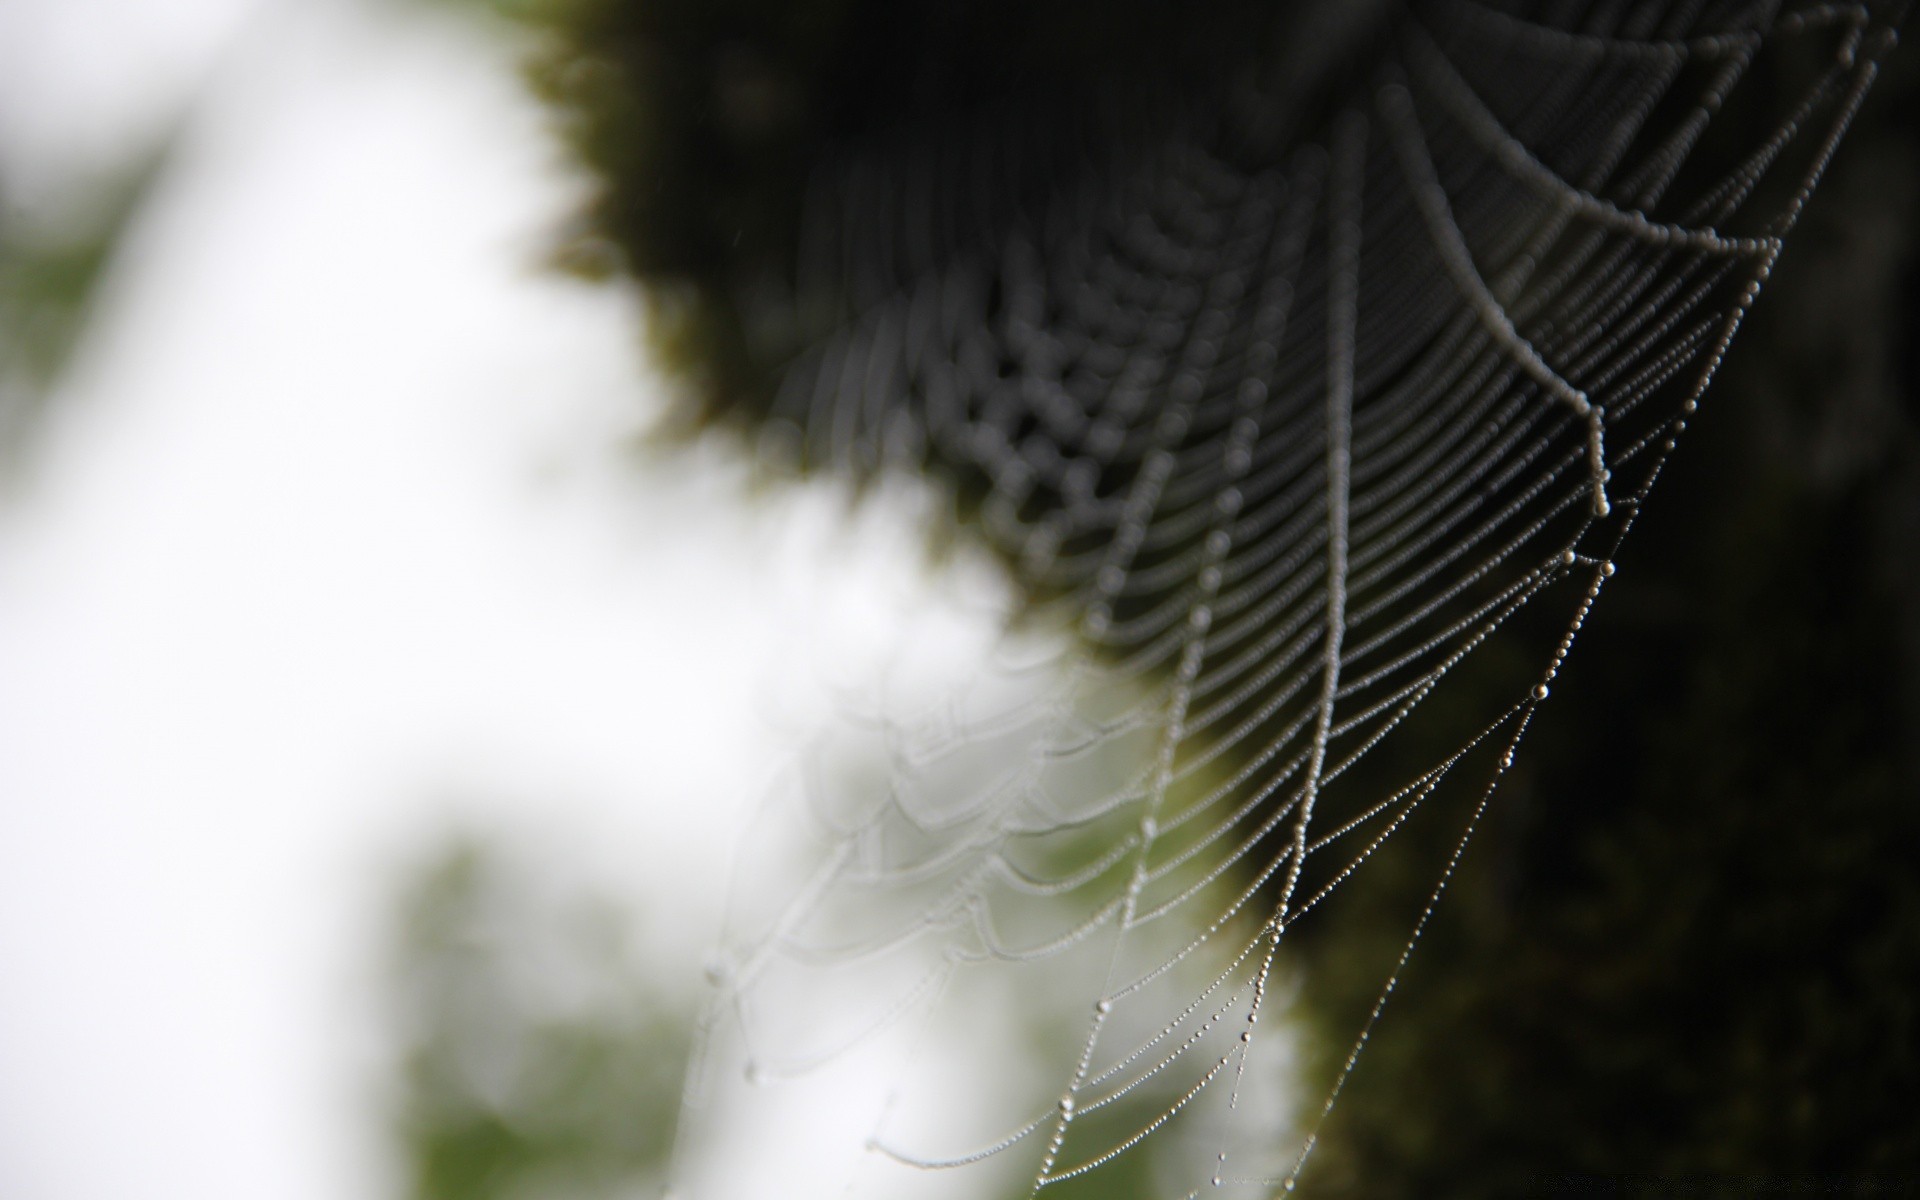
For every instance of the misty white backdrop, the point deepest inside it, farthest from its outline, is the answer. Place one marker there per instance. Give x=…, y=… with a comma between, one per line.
x=334, y=538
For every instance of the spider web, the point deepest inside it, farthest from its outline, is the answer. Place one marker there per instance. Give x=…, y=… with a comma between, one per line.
x=1312, y=439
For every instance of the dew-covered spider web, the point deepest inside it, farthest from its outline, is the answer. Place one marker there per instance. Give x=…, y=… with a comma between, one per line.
x=1309, y=421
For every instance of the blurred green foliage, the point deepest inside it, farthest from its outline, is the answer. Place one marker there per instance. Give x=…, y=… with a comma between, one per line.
x=52, y=263
x=538, y=1059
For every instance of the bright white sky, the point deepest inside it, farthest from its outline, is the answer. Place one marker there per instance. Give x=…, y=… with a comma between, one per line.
x=330, y=540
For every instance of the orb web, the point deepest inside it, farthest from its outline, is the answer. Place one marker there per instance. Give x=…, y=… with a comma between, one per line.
x=1310, y=442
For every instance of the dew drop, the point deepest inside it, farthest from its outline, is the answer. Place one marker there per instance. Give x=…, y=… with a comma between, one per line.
x=1539, y=691
x=1606, y=568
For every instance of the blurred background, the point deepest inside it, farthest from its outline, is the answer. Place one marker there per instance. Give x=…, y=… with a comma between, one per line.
x=378, y=709
x=374, y=721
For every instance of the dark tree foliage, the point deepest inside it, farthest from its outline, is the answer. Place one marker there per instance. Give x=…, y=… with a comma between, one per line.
x=704, y=121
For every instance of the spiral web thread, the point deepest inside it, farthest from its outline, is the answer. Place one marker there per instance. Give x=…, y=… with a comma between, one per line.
x=1287, y=437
